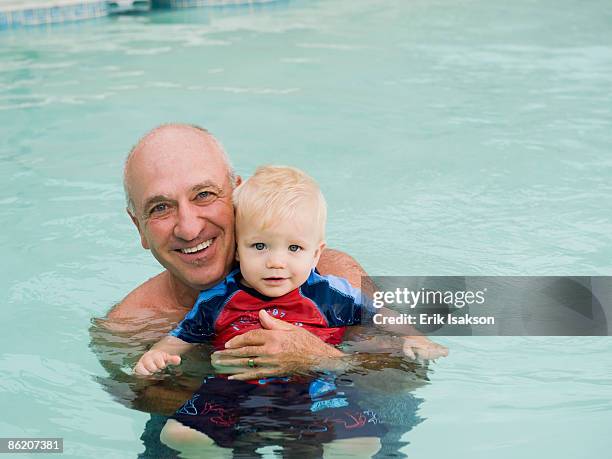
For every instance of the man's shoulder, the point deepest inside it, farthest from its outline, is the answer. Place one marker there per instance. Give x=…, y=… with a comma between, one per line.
x=338, y=263
x=150, y=295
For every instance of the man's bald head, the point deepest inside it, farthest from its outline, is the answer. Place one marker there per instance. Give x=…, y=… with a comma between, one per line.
x=169, y=135
x=179, y=186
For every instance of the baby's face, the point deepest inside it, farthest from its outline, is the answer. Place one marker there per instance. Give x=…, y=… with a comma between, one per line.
x=278, y=259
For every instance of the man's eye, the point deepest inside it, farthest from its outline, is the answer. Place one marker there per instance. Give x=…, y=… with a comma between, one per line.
x=294, y=248
x=259, y=246
x=205, y=195
x=158, y=208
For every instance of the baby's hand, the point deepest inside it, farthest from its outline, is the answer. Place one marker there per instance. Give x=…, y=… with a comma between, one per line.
x=421, y=348
x=155, y=360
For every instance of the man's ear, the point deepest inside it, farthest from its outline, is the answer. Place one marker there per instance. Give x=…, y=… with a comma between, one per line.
x=143, y=241
x=318, y=253
x=238, y=180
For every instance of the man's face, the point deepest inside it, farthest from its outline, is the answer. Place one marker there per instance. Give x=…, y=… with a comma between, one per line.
x=278, y=259
x=183, y=209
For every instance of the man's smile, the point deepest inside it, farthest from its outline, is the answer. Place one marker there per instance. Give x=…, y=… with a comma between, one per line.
x=197, y=248
x=198, y=253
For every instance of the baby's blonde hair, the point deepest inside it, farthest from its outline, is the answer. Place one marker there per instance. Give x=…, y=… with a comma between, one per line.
x=276, y=193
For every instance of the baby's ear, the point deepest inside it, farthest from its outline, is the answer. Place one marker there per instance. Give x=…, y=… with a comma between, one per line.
x=318, y=253
x=237, y=257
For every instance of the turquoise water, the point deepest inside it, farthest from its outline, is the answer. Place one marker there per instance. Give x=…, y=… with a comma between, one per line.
x=450, y=138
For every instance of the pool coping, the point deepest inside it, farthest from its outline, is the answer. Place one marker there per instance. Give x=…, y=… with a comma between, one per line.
x=58, y=11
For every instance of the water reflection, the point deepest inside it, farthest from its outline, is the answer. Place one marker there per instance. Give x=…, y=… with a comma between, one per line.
x=372, y=388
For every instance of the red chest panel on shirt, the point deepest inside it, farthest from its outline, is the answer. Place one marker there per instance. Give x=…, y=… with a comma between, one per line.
x=241, y=314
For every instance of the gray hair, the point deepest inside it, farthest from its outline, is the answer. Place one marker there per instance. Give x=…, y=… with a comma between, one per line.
x=126, y=188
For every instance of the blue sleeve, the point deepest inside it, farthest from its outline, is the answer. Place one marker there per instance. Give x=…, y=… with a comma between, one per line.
x=199, y=325
x=195, y=328
x=339, y=301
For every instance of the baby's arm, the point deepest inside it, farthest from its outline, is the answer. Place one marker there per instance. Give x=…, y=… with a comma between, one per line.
x=165, y=352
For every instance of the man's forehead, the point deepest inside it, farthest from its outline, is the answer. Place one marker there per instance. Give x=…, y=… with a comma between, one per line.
x=179, y=141
x=171, y=162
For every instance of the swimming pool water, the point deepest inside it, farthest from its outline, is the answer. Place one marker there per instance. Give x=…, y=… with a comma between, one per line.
x=450, y=138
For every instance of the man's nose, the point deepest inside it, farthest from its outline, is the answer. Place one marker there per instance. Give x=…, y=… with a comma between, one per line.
x=189, y=224
x=275, y=261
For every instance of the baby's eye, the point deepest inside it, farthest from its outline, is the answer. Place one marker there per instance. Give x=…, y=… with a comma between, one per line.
x=294, y=248
x=259, y=246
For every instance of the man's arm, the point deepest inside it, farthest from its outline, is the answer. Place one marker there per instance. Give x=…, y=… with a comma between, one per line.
x=415, y=345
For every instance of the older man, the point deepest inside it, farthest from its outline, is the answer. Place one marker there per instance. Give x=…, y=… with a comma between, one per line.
x=179, y=183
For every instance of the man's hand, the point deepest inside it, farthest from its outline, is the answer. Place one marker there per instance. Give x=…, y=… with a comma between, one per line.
x=421, y=348
x=278, y=349
x=155, y=360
